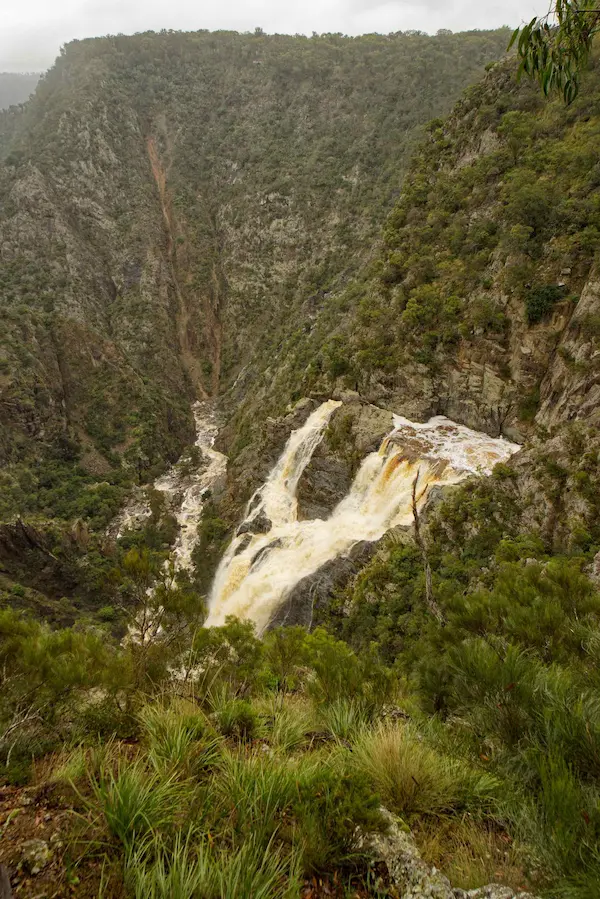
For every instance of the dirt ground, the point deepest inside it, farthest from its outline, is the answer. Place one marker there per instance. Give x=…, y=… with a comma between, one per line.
x=50, y=815
x=34, y=813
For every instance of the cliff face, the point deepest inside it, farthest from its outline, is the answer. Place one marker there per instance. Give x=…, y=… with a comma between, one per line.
x=190, y=216
x=173, y=206
x=483, y=303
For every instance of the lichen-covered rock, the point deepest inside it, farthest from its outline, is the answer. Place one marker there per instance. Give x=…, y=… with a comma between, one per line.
x=36, y=855
x=413, y=877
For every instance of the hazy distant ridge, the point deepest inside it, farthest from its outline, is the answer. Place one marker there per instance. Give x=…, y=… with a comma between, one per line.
x=16, y=87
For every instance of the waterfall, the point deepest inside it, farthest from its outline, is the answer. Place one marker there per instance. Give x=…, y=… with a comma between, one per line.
x=259, y=569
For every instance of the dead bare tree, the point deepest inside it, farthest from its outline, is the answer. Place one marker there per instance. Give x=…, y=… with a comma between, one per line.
x=429, y=598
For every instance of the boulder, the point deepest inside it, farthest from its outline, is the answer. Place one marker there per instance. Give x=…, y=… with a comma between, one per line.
x=314, y=592
x=259, y=525
x=355, y=429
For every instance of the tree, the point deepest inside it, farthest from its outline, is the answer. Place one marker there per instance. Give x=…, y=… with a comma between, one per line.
x=554, y=48
x=163, y=612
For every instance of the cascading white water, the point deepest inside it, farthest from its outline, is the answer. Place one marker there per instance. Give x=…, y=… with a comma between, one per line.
x=189, y=513
x=277, y=497
x=259, y=570
x=186, y=493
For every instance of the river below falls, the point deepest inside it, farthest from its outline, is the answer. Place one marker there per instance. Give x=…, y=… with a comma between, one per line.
x=186, y=489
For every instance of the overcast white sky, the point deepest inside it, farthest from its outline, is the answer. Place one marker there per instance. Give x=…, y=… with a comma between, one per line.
x=32, y=31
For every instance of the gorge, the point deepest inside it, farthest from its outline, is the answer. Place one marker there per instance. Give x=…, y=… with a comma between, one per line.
x=261, y=297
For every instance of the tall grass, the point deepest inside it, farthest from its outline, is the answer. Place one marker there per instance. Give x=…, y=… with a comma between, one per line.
x=133, y=801
x=343, y=718
x=193, y=869
x=180, y=871
x=258, y=791
x=471, y=853
x=560, y=821
x=179, y=742
x=259, y=872
x=286, y=724
x=414, y=778
x=234, y=717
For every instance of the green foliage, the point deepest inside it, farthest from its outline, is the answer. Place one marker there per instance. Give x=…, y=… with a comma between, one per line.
x=236, y=718
x=134, y=802
x=179, y=741
x=555, y=48
x=413, y=778
x=228, y=655
x=344, y=718
x=57, y=488
x=340, y=674
x=540, y=301
x=310, y=745
x=113, y=358
x=190, y=868
x=285, y=653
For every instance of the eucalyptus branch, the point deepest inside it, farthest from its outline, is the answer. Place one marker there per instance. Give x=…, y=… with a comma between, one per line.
x=555, y=48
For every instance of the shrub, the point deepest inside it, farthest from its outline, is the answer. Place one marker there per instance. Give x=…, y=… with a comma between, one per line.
x=334, y=804
x=540, y=301
x=237, y=718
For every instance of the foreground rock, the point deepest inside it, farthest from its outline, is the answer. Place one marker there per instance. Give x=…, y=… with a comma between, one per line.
x=416, y=879
x=36, y=856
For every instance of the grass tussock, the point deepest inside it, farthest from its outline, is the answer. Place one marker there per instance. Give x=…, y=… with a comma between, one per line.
x=135, y=802
x=413, y=778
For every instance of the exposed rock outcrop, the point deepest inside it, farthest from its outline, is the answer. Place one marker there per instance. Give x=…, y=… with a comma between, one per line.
x=355, y=429
x=414, y=878
x=313, y=593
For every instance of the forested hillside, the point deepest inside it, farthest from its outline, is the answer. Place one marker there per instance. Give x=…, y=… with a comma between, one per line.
x=482, y=303
x=167, y=201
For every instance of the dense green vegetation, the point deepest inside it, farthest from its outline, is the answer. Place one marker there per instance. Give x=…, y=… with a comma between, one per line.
x=263, y=757
x=510, y=672
x=221, y=222
x=479, y=729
